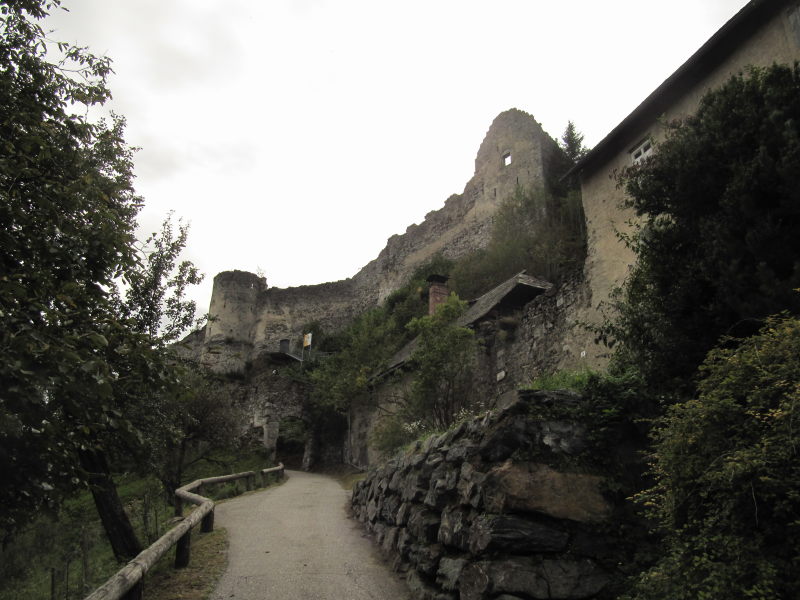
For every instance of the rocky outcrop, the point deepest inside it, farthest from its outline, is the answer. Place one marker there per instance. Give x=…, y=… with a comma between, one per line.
x=494, y=508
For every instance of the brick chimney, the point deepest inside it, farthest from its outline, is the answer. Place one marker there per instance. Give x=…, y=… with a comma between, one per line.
x=438, y=291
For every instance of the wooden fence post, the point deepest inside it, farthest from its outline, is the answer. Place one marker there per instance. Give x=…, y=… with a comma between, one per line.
x=135, y=593
x=207, y=524
x=183, y=550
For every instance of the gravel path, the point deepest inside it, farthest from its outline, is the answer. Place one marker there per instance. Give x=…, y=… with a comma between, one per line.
x=295, y=542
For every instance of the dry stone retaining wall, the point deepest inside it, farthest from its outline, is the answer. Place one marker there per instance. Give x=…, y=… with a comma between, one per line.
x=488, y=510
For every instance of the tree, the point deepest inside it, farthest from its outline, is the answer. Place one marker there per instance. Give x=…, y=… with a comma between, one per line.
x=571, y=143
x=717, y=246
x=184, y=409
x=184, y=425
x=76, y=359
x=533, y=230
x=728, y=476
x=155, y=300
x=442, y=364
x=67, y=209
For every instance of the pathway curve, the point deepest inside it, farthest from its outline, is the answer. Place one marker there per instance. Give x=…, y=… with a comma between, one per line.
x=295, y=542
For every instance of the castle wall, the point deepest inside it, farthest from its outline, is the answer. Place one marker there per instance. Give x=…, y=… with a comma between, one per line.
x=464, y=223
x=250, y=318
x=282, y=313
x=515, y=348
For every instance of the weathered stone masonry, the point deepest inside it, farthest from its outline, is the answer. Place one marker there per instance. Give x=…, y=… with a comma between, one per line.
x=488, y=510
x=251, y=317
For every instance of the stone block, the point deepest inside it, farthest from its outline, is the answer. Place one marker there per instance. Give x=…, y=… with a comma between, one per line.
x=532, y=578
x=573, y=579
x=532, y=487
x=425, y=557
x=514, y=535
x=564, y=437
x=389, y=540
x=461, y=451
x=454, y=528
x=422, y=590
x=396, y=482
x=388, y=509
x=469, y=484
x=372, y=510
x=414, y=488
x=449, y=572
x=423, y=524
x=404, y=541
x=401, y=518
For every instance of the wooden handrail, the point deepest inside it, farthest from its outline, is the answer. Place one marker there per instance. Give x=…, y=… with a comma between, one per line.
x=127, y=582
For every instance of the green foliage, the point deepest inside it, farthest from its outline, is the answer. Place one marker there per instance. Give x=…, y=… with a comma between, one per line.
x=62, y=540
x=571, y=143
x=533, y=231
x=575, y=381
x=155, y=300
x=717, y=249
x=67, y=209
x=442, y=363
x=728, y=476
x=392, y=433
x=363, y=348
x=717, y=253
x=77, y=362
x=441, y=390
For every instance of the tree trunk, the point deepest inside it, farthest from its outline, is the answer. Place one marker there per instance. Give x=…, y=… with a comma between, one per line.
x=87, y=574
x=118, y=527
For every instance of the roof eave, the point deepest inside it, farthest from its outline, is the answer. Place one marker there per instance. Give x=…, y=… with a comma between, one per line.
x=752, y=16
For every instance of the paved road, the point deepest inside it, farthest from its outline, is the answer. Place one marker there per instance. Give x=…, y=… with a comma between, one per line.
x=295, y=542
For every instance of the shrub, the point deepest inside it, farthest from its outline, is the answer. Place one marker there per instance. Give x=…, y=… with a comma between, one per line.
x=727, y=474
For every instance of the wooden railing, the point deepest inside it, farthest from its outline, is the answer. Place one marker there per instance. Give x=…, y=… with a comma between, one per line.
x=128, y=582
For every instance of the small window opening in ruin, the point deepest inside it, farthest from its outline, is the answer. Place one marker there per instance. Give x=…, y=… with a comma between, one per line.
x=495, y=192
x=642, y=150
x=506, y=159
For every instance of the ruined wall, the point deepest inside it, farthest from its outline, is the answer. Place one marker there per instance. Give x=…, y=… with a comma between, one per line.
x=251, y=318
x=269, y=396
x=492, y=507
x=283, y=312
x=542, y=338
x=514, y=348
x=515, y=151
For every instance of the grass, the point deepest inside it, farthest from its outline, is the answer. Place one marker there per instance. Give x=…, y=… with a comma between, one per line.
x=563, y=380
x=57, y=544
x=198, y=580
x=348, y=480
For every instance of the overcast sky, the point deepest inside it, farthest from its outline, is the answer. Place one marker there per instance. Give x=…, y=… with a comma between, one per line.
x=296, y=136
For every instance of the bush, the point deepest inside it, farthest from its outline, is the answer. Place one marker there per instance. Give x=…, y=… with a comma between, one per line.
x=718, y=248
x=392, y=433
x=727, y=474
x=533, y=231
x=575, y=381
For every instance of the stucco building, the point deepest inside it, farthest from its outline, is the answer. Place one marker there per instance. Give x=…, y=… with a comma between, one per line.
x=760, y=34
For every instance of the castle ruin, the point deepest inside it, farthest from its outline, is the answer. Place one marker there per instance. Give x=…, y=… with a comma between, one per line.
x=250, y=318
